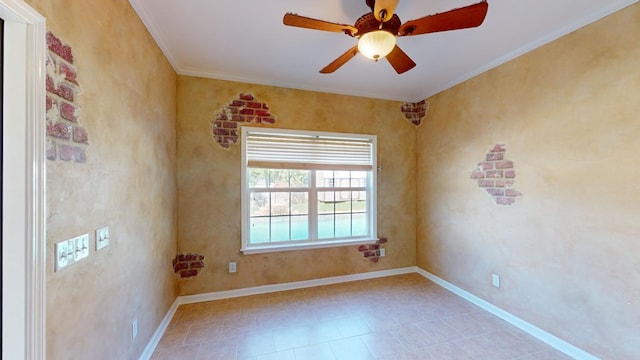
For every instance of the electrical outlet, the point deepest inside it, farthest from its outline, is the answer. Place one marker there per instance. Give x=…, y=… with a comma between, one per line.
x=232, y=267
x=134, y=328
x=102, y=238
x=382, y=252
x=495, y=280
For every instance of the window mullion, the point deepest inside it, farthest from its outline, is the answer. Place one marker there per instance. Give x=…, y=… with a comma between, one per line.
x=313, y=207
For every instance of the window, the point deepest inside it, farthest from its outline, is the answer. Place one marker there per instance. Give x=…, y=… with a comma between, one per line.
x=304, y=189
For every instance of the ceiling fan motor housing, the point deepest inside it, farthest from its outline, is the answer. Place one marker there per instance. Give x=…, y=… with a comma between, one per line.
x=367, y=23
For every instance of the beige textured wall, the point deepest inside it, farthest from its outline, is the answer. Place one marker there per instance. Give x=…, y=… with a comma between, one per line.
x=209, y=184
x=127, y=105
x=568, y=251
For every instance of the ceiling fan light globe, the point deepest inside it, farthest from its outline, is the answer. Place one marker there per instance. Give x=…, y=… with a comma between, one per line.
x=376, y=44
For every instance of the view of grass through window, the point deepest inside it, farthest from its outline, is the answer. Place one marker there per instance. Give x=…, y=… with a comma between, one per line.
x=282, y=202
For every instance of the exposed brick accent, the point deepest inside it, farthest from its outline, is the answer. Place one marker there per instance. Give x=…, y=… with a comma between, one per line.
x=56, y=46
x=80, y=135
x=59, y=130
x=51, y=150
x=68, y=111
x=70, y=152
x=415, y=112
x=186, y=266
x=245, y=109
x=495, y=175
x=51, y=102
x=372, y=252
x=67, y=139
x=70, y=73
x=478, y=174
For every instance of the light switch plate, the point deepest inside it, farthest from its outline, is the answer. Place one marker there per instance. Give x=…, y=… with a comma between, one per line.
x=61, y=255
x=70, y=251
x=102, y=238
x=82, y=247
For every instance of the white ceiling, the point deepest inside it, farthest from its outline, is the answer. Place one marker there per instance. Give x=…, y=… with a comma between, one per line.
x=246, y=41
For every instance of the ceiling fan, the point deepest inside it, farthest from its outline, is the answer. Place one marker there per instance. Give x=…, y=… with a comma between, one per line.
x=377, y=31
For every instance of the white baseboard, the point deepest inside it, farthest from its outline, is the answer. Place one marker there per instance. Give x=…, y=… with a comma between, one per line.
x=530, y=329
x=157, y=336
x=265, y=289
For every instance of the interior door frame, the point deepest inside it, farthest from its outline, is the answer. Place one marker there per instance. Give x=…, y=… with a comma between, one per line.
x=24, y=201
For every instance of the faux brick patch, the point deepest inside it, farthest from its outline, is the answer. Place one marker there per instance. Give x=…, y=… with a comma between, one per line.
x=495, y=175
x=55, y=45
x=51, y=150
x=187, y=265
x=415, y=112
x=68, y=111
x=372, y=252
x=80, y=135
x=59, y=130
x=67, y=140
x=72, y=153
x=245, y=109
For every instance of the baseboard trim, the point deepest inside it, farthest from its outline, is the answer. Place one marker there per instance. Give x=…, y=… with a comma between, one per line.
x=265, y=289
x=525, y=326
x=157, y=336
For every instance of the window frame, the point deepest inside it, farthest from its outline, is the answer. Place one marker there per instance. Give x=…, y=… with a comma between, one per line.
x=290, y=245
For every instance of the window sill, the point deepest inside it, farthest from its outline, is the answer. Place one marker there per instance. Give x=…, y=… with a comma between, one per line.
x=259, y=249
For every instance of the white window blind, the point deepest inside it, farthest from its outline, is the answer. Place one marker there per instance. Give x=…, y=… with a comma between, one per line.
x=309, y=151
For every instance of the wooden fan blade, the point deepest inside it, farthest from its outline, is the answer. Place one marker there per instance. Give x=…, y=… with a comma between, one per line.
x=462, y=18
x=400, y=61
x=388, y=7
x=309, y=23
x=341, y=60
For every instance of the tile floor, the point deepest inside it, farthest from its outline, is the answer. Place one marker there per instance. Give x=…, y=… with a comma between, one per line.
x=397, y=317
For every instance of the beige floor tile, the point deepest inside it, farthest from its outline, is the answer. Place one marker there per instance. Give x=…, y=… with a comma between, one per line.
x=448, y=351
x=481, y=347
x=546, y=355
x=256, y=344
x=280, y=355
x=352, y=326
x=222, y=349
x=286, y=338
x=438, y=332
x=314, y=352
x=202, y=332
x=174, y=337
x=402, y=317
x=177, y=352
x=352, y=348
x=193, y=315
